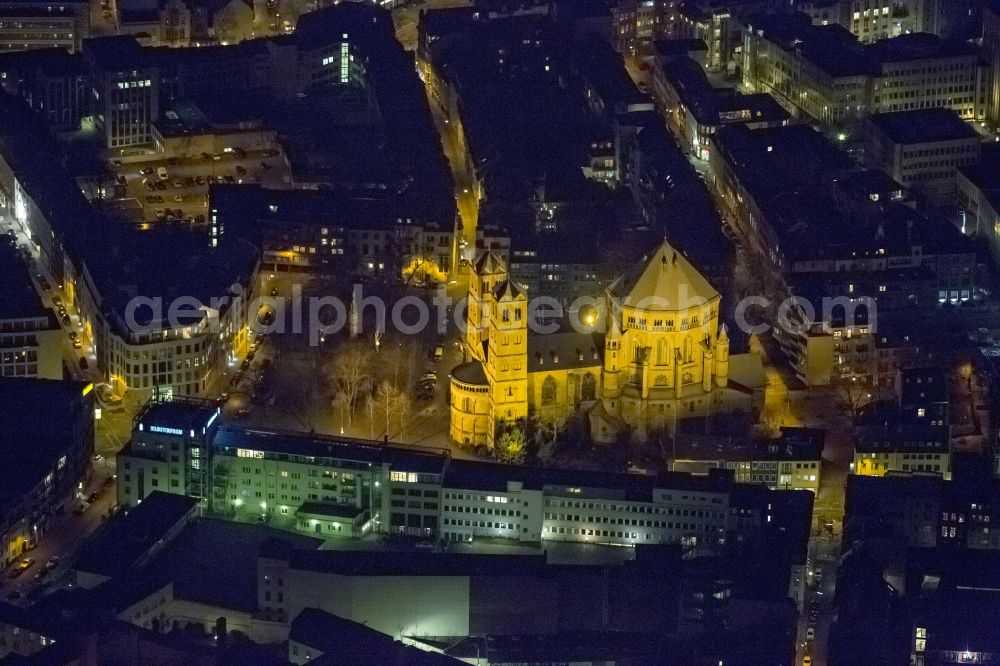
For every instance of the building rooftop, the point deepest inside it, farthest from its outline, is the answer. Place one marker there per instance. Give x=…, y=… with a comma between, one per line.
x=917, y=46
x=353, y=642
x=18, y=297
x=193, y=564
x=831, y=48
x=410, y=459
x=713, y=106
x=182, y=414
x=127, y=540
x=792, y=444
x=922, y=126
x=42, y=420
x=665, y=281
x=564, y=350
x=474, y=475
x=923, y=385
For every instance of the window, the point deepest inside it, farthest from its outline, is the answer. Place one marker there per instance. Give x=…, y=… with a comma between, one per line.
x=548, y=391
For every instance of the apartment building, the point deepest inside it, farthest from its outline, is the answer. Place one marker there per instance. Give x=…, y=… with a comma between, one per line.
x=319, y=230
x=46, y=442
x=31, y=342
x=792, y=461
x=36, y=24
x=694, y=108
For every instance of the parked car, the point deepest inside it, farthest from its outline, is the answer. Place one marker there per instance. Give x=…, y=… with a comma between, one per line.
x=162, y=173
x=77, y=344
x=438, y=353
x=81, y=509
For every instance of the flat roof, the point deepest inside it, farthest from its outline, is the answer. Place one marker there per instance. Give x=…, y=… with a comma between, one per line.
x=18, y=297
x=410, y=459
x=127, y=538
x=42, y=421
x=486, y=476
x=922, y=126
x=214, y=561
x=179, y=414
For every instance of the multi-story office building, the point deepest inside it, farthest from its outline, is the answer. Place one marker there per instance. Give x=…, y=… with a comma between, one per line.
x=46, y=440
x=991, y=54
x=35, y=24
x=125, y=90
x=792, y=461
x=824, y=73
x=333, y=487
x=31, y=342
x=922, y=150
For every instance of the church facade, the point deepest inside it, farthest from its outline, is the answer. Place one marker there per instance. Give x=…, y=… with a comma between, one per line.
x=656, y=354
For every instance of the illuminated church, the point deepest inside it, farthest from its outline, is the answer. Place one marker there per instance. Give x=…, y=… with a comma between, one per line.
x=656, y=354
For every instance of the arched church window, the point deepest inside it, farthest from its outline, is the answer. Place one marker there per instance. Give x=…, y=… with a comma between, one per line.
x=548, y=391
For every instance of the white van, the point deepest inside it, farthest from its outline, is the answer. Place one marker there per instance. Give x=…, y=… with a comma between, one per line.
x=162, y=173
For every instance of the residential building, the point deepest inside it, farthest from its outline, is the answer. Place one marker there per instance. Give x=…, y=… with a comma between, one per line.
x=922, y=150
x=318, y=230
x=46, y=442
x=31, y=342
x=792, y=461
x=32, y=24
x=694, y=109
x=637, y=23
x=909, y=434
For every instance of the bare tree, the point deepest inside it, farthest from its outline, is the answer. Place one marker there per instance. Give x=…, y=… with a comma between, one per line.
x=852, y=396
x=342, y=404
x=387, y=400
x=551, y=421
x=352, y=372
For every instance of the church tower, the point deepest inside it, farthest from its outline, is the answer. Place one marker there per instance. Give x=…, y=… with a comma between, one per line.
x=488, y=271
x=507, y=357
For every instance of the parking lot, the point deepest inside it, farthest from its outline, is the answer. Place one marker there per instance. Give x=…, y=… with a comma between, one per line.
x=173, y=189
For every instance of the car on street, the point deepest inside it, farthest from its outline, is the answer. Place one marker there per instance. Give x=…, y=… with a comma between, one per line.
x=52, y=563
x=83, y=363
x=807, y=660
x=81, y=509
x=811, y=633
x=438, y=353
x=77, y=344
x=66, y=320
x=109, y=481
x=162, y=173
